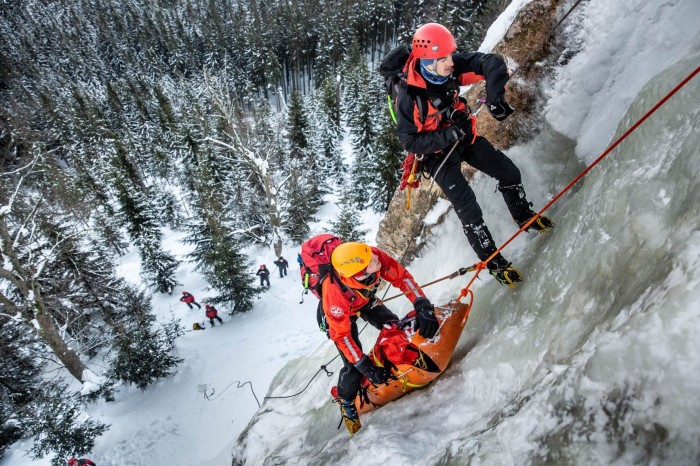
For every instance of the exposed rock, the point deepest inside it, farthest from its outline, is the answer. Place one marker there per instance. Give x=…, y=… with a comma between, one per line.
x=521, y=48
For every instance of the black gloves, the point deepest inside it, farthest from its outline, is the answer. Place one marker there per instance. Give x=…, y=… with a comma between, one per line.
x=376, y=375
x=461, y=124
x=500, y=109
x=426, y=323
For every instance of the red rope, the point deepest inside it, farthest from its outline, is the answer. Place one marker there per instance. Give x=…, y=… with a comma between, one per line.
x=482, y=265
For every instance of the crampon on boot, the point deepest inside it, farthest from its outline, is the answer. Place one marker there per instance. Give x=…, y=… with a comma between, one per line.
x=348, y=411
x=541, y=224
x=504, y=272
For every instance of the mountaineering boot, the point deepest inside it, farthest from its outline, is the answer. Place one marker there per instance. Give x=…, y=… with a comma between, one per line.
x=481, y=241
x=348, y=411
x=520, y=209
x=541, y=224
x=504, y=272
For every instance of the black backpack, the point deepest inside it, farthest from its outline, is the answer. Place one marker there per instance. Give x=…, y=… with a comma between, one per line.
x=391, y=69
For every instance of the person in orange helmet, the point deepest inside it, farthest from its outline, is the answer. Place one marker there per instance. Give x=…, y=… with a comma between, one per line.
x=350, y=293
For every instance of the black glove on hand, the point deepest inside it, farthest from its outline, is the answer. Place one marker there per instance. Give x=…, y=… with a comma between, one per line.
x=426, y=322
x=500, y=109
x=462, y=122
x=376, y=375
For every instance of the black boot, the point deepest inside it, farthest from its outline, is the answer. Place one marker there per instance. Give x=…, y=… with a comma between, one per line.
x=521, y=210
x=483, y=245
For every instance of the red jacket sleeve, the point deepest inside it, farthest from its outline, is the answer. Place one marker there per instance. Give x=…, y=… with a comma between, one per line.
x=398, y=276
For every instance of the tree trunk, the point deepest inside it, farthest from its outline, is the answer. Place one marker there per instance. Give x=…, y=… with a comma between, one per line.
x=24, y=279
x=50, y=334
x=274, y=216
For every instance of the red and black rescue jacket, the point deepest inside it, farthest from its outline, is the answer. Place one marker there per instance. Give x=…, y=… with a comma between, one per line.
x=341, y=311
x=187, y=298
x=211, y=311
x=431, y=135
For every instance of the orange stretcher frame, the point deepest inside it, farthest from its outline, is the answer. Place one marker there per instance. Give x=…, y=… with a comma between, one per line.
x=408, y=378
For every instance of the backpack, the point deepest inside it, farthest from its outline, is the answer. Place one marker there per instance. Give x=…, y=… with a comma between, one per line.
x=391, y=69
x=316, y=263
x=316, y=267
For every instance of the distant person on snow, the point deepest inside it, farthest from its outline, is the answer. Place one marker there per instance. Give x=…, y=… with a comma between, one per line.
x=359, y=269
x=189, y=300
x=80, y=462
x=264, y=275
x=282, y=264
x=434, y=71
x=212, y=313
x=300, y=261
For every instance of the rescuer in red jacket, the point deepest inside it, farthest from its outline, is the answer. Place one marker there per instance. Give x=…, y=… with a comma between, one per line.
x=348, y=294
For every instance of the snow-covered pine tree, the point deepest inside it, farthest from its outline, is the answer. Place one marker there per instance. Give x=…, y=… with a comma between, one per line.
x=386, y=165
x=303, y=199
x=303, y=187
x=217, y=252
x=144, y=352
x=347, y=224
x=55, y=419
x=31, y=406
x=325, y=132
x=297, y=128
x=364, y=120
x=18, y=378
x=230, y=274
x=157, y=266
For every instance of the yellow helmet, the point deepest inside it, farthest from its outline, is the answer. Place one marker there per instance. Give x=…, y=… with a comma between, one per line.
x=350, y=258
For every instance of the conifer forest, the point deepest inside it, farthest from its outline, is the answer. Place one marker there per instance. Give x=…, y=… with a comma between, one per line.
x=221, y=119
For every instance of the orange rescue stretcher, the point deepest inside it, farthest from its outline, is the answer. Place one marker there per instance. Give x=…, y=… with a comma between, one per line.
x=432, y=359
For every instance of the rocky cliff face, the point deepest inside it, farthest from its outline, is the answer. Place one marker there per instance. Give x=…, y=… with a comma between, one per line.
x=528, y=61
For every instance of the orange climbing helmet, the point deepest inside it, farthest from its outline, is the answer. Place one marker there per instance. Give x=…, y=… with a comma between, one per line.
x=433, y=41
x=350, y=258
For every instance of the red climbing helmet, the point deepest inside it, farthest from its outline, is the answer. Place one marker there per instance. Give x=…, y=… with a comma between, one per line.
x=433, y=41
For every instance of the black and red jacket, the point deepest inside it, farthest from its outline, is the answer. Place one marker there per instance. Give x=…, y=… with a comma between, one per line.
x=431, y=135
x=187, y=298
x=211, y=311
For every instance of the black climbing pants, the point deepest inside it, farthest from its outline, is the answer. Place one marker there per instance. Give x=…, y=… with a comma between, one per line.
x=480, y=155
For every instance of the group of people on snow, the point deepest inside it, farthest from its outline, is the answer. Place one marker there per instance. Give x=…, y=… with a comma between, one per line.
x=264, y=273
x=444, y=139
x=210, y=311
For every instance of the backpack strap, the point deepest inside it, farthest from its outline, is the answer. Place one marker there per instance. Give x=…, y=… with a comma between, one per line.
x=347, y=292
x=422, y=107
x=422, y=101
